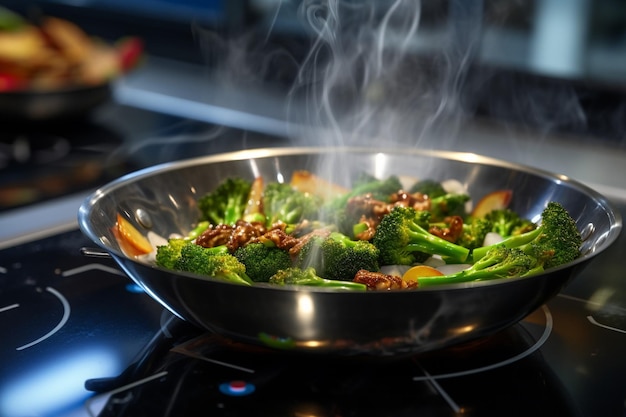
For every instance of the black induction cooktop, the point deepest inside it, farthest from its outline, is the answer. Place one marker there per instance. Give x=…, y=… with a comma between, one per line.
x=81, y=339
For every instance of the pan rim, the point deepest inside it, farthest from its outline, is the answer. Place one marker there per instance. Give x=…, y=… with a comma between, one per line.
x=614, y=216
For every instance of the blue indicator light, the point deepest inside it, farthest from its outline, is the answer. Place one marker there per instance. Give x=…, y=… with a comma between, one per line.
x=236, y=388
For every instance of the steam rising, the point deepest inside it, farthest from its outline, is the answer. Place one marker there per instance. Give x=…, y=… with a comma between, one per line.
x=374, y=73
x=363, y=79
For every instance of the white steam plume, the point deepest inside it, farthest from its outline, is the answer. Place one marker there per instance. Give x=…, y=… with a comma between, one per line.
x=363, y=79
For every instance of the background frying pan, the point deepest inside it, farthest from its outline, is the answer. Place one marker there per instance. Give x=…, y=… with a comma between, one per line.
x=45, y=106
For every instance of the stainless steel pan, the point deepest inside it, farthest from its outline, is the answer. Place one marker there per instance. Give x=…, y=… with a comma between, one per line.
x=162, y=199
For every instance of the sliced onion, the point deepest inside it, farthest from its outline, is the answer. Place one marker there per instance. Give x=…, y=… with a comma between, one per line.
x=453, y=186
x=435, y=261
x=492, y=238
x=395, y=270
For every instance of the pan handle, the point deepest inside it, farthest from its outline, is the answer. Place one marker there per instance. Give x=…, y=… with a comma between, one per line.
x=94, y=252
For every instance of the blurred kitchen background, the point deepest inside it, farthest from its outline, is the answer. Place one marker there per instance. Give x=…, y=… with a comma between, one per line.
x=538, y=82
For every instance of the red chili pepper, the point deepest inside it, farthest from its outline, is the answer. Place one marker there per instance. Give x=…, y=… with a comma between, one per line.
x=129, y=52
x=11, y=82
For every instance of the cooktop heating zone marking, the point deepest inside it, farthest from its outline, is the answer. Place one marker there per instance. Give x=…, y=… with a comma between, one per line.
x=432, y=379
x=455, y=407
x=64, y=319
x=91, y=267
x=9, y=307
x=604, y=326
x=544, y=336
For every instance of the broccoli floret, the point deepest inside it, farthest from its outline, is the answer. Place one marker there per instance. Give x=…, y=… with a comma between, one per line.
x=283, y=203
x=262, y=260
x=308, y=276
x=498, y=262
x=167, y=255
x=443, y=204
x=556, y=241
x=379, y=189
x=448, y=205
x=225, y=204
x=507, y=222
x=474, y=232
x=402, y=238
x=428, y=187
x=338, y=257
x=215, y=262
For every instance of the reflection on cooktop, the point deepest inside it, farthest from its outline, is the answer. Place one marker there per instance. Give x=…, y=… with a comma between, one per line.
x=486, y=377
x=43, y=162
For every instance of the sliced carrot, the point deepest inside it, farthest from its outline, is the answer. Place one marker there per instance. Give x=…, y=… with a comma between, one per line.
x=308, y=182
x=130, y=239
x=412, y=274
x=495, y=200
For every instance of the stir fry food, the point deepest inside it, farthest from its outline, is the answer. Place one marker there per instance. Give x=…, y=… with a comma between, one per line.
x=54, y=53
x=379, y=235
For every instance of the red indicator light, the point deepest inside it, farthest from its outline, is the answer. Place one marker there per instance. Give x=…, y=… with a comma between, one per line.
x=236, y=388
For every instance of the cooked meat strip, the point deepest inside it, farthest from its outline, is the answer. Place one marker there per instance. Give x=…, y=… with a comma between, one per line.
x=231, y=236
x=450, y=233
x=244, y=232
x=215, y=235
x=371, y=211
x=278, y=236
x=377, y=281
x=418, y=201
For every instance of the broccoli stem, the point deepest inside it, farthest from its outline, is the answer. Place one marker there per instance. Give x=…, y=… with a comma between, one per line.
x=423, y=241
x=345, y=240
x=332, y=283
x=197, y=231
x=217, y=250
x=499, y=262
x=514, y=241
x=308, y=277
x=233, y=210
x=359, y=228
x=235, y=278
